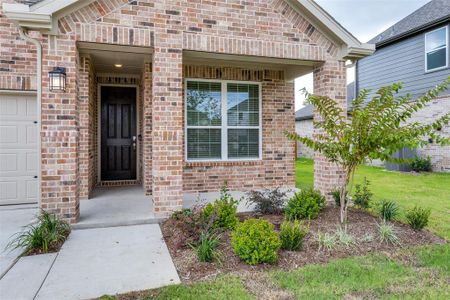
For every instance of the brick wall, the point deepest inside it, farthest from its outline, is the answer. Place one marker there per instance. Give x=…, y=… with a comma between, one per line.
x=277, y=167
x=17, y=57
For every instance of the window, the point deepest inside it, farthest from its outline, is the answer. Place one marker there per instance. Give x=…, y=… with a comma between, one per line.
x=436, y=48
x=223, y=120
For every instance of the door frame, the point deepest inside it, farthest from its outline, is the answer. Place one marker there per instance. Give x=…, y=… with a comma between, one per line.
x=99, y=130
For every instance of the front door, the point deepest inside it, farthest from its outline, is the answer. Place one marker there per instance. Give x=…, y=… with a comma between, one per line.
x=118, y=133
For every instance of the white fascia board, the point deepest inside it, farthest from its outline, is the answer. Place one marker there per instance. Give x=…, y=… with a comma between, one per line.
x=51, y=6
x=15, y=7
x=21, y=15
x=326, y=23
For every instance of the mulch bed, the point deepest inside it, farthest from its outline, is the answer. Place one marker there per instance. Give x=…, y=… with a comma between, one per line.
x=360, y=223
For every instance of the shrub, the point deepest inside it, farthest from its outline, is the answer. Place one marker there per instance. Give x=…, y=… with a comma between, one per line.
x=388, y=210
x=362, y=195
x=180, y=214
x=45, y=236
x=224, y=210
x=267, y=201
x=345, y=238
x=292, y=235
x=206, y=248
x=336, y=194
x=305, y=204
x=420, y=164
x=255, y=241
x=417, y=217
x=388, y=234
x=326, y=241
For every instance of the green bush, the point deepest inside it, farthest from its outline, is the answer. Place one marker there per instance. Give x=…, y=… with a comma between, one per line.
x=255, y=241
x=305, y=204
x=267, y=201
x=47, y=235
x=362, y=195
x=388, y=210
x=206, y=248
x=222, y=210
x=292, y=235
x=418, y=217
x=388, y=234
x=336, y=194
x=420, y=164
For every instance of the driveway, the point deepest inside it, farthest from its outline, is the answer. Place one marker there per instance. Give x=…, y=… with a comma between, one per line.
x=12, y=220
x=94, y=262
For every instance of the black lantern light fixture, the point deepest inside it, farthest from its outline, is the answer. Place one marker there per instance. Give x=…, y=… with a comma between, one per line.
x=57, y=79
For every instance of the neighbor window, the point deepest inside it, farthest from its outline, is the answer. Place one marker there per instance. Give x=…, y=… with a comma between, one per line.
x=222, y=120
x=436, y=48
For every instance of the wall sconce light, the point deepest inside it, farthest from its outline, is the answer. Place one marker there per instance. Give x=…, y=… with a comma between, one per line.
x=57, y=79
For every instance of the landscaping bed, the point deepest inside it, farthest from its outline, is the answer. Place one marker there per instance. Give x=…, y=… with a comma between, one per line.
x=362, y=226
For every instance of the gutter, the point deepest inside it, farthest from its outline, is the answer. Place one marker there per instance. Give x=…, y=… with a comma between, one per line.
x=24, y=35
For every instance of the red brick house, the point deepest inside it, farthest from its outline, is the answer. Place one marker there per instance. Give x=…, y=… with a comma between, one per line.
x=177, y=96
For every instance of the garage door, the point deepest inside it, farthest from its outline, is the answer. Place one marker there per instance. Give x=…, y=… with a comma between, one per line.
x=18, y=149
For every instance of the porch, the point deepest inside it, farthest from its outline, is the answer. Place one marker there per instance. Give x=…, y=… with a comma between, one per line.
x=128, y=205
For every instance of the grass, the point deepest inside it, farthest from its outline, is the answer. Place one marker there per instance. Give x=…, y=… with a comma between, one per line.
x=428, y=190
x=373, y=276
x=415, y=273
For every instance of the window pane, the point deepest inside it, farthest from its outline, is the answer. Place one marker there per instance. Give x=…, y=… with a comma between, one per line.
x=243, y=104
x=203, y=103
x=243, y=143
x=204, y=143
x=436, y=59
x=435, y=40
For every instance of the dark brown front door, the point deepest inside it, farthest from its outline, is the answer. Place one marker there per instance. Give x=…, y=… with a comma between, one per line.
x=118, y=129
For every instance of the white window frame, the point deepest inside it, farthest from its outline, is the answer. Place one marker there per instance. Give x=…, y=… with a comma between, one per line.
x=224, y=127
x=446, y=48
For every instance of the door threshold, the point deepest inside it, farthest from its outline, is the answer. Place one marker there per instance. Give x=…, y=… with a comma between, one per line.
x=119, y=182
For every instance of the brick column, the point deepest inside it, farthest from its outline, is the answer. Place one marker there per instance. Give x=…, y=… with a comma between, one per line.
x=59, y=134
x=147, y=128
x=83, y=108
x=329, y=80
x=167, y=125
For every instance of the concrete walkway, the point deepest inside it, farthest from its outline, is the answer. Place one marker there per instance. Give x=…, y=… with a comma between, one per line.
x=94, y=262
x=12, y=220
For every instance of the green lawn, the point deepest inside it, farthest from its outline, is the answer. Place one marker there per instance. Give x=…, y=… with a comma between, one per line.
x=431, y=190
x=418, y=273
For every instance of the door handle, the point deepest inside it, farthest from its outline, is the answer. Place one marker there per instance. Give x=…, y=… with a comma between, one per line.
x=134, y=142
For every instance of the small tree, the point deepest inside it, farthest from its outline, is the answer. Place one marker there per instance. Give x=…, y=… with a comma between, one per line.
x=377, y=129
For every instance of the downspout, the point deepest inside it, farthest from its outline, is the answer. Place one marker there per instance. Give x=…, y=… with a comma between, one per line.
x=24, y=35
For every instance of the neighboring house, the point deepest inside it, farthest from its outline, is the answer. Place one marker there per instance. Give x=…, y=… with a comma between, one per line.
x=415, y=51
x=304, y=123
x=177, y=96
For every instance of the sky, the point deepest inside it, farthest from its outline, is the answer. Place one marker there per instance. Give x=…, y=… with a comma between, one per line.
x=364, y=19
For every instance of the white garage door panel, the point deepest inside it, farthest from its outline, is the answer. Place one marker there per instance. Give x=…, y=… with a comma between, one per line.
x=18, y=149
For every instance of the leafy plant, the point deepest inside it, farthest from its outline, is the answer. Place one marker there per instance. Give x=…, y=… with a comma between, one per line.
x=326, y=241
x=345, y=238
x=305, y=204
x=180, y=214
x=387, y=233
x=367, y=238
x=420, y=164
x=362, y=195
x=267, y=201
x=418, y=217
x=378, y=128
x=388, y=210
x=206, y=248
x=292, y=235
x=224, y=210
x=336, y=194
x=45, y=236
x=255, y=241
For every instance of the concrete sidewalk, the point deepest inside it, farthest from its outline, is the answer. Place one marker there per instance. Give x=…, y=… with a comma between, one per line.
x=94, y=262
x=12, y=220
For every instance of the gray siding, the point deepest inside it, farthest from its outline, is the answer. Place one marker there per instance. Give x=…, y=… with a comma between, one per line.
x=403, y=61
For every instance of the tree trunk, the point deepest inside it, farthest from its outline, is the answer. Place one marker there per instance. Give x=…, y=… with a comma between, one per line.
x=343, y=196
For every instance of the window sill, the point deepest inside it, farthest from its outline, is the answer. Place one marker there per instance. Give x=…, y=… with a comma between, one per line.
x=223, y=163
